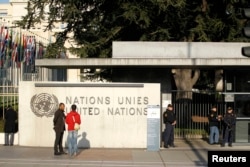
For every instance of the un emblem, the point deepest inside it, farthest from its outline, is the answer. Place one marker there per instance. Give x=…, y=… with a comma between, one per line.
x=44, y=104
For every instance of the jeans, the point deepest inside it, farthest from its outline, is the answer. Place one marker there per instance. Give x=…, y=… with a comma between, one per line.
x=214, y=135
x=9, y=141
x=72, y=142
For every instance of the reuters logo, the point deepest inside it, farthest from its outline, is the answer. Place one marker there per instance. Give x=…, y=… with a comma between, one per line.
x=44, y=104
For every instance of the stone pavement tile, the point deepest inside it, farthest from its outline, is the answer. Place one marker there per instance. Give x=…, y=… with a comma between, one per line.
x=105, y=155
x=192, y=143
x=142, y=155
x=197, y=155
x=186, y=158
x=185, y=164
x=121, y=157
x=175, y=156
x=27, y=152
x=48, y=163
x=187, y=153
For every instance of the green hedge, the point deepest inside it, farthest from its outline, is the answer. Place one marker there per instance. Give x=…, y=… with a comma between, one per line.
x=191, y=131
x=1, y=125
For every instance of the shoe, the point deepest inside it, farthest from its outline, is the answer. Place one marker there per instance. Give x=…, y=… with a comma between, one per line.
x=5, y=145
x=63, y=152
x=57, y=153
x=223, y=145
x=230, y=145
x=172, y=145
x=165, y=146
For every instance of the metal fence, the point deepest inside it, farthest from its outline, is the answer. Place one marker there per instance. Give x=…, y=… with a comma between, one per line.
x=192, y=120
x=8, y=97
x=9, y=81
x=191, y=113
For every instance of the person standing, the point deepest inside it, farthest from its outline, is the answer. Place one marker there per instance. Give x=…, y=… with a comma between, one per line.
x=229, y=121
x=169, y=120
x=214, y=120
x=59, y=127
x=71, y=119
x=10, y=126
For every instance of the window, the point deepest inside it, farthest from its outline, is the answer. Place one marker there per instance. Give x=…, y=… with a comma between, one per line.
x=3, y=12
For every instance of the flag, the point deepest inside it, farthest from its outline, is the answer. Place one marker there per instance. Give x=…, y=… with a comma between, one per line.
x=2, y=37
x=2, y=41
x=40, y=51
x=33, y=51
x=20, y=49
x=15, y=41
x=24, y=48
x=8, y=51
x=30, y=50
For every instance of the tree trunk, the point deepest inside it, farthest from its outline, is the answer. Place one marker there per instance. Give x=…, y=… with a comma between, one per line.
x=185, y=80
x=218, y=81
x=204, y=6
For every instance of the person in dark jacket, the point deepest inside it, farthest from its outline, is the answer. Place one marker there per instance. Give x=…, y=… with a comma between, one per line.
x=214, y=120
x=229, y=121
x=59, y=127
x=169, y=120
x=10, y=125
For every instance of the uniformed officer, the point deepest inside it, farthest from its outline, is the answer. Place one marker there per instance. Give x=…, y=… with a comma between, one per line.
x=169, y=120
x=229, y=127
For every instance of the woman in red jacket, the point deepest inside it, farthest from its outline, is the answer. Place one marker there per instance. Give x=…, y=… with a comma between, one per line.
x=71, y=119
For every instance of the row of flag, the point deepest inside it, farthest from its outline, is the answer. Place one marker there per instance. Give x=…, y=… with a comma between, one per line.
x=16, y=47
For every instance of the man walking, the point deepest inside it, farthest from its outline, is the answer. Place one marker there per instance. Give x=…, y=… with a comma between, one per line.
x=169, y=120
x=59, y=127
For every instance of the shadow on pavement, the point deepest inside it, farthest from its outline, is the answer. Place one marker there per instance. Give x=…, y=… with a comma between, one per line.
x=196, y=152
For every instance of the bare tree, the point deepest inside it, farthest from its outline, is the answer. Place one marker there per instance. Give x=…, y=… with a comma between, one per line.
x=218, y=80
x=185, y=80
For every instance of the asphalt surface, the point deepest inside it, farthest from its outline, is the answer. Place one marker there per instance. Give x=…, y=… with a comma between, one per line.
x=187, y=153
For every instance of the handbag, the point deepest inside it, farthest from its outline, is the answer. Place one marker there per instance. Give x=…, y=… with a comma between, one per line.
x=76, y=125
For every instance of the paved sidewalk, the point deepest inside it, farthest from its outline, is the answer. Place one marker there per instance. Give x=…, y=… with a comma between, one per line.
x=187, y=153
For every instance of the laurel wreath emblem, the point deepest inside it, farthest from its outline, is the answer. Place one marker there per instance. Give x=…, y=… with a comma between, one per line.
x=44, y=104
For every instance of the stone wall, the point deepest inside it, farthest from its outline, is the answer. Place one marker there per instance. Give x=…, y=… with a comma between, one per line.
x=113, y=115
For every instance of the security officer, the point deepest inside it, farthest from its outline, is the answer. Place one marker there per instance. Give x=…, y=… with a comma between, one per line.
x=169, y=120
x=229, y=127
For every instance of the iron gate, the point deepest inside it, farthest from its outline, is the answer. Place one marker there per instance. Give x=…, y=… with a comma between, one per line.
x=192, y=120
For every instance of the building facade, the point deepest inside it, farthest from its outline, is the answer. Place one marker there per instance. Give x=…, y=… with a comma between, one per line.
x=147, y=62
x=154, y=62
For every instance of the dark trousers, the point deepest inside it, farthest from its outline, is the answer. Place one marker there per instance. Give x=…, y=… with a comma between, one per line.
x=58, y=142
x=228, y=135
x=169, y=135
x=9, y=139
